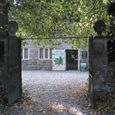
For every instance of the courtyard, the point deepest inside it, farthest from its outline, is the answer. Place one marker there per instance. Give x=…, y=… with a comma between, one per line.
x=66, y=35
x=51, y=93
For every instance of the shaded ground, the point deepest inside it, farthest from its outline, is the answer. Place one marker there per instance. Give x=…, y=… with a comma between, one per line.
x=52, y=93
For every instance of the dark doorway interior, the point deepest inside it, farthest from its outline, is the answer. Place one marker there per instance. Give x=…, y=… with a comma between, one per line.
x=1, y=52
x=71, y=59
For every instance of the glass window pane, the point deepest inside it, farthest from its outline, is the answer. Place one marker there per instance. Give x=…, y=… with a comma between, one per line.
x=46, y=53
x=25, y=53
x=84, y=54
x=41, y=53
x=50, y=53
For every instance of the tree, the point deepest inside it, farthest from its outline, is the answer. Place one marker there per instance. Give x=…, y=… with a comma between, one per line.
x=57, y=18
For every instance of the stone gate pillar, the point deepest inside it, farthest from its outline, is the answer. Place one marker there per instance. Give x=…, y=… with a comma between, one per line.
x=10, y=58
x=101, y=66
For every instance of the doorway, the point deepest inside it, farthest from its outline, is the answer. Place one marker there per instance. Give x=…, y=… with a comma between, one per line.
x=1, y=52
x=71, y=59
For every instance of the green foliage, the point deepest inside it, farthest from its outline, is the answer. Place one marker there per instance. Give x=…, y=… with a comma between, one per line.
x=56, y=18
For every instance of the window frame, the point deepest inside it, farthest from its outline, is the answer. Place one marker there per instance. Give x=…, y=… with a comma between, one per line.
x=39, y=54
x=84, y=54
x=23, y=56
x=44, y=58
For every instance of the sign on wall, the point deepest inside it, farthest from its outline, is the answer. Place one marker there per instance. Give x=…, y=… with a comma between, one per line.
x=58, y=59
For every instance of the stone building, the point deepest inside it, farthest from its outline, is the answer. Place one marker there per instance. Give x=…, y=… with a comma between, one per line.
x=61, y=57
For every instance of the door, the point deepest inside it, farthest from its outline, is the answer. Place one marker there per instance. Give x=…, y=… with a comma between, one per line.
x=58, y=59
x=71, y=59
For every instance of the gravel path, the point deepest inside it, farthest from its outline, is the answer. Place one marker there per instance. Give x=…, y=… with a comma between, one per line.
x=55, y=89
x=52, y=93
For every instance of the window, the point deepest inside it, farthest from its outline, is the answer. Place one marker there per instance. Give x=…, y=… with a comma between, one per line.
x=50, y=53
x=44, y=53
x=25, y=53
x=84, y=54
x=41, y=53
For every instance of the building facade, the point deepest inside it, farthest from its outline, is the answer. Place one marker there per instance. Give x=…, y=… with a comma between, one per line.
x=62, y=57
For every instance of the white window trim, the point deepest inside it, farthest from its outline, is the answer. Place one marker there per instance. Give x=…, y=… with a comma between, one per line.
x=38, y=53
x=23, y=58
x=44, y=54
x=48, y=53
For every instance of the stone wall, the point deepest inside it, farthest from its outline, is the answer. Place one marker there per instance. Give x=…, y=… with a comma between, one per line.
x=35, y=64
